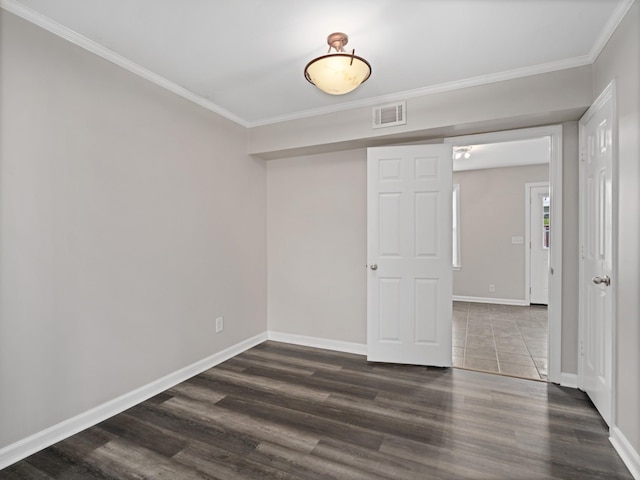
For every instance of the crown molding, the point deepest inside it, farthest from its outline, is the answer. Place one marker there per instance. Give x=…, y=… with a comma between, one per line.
x=610, y=27
x=72, y=36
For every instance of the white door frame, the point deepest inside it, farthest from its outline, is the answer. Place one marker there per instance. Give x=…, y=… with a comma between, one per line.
x=554, y=132
x=527, y=237
x=607, y=93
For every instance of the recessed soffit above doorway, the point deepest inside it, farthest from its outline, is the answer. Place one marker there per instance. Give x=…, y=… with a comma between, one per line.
x=516, y=153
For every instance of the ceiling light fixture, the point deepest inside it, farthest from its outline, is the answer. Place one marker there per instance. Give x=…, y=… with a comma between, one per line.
x=459, y=152
x=339, y=72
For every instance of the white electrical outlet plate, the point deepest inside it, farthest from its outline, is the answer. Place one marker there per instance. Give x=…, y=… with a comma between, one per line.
x=219, y=324
x=492, y=288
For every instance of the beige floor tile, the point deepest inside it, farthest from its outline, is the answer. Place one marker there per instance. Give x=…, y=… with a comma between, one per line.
x=537, y=352
x=482, y=364
x=480, y=341
x=524, y=360
x=519, y=370
x=509, y=339
x=513, y=339
x=540, y=362
x=536, y=344
x=459, y=341
x=514, y=349
x=481, y=352
x=511, y=334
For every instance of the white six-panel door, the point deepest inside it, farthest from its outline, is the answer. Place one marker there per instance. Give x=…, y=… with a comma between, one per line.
x=539, y=243
x=596, y=216
x=409, y=288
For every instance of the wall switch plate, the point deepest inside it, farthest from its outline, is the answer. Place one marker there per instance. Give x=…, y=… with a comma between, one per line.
x=517, y=240
x=219, y=324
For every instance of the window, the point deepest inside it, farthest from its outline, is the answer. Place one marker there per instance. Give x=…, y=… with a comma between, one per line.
x=545, y=221
x=456, y=226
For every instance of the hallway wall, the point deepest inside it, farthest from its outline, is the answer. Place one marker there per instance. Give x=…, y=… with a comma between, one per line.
x=492, y=210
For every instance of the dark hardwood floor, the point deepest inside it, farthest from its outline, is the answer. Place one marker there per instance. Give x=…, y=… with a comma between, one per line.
x=280, y=411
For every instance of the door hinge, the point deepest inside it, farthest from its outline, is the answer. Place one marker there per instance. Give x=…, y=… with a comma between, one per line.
x=581, y=348
x=581, y=251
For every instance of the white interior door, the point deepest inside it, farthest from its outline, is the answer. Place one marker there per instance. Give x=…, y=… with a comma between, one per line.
x=409, y=287
x=540, y=235
x=596, y=214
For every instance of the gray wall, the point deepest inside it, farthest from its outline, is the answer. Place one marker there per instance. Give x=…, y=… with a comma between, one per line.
x=544, y=99
x=492, y=210
x=620, y=60
x=130, y=219
x=317, y=245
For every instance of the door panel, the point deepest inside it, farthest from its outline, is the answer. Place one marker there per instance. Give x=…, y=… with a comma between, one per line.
x=409, y=286
x=539, y=209
x=596, y=213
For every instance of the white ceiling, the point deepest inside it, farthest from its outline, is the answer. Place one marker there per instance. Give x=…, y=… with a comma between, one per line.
x=245, y=58
x=517, y=153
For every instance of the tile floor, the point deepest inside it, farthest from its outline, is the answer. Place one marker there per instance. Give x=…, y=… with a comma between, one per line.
x=503, y=339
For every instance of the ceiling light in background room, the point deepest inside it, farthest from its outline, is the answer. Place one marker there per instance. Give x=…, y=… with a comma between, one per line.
x=459, y=152
x=339, y=72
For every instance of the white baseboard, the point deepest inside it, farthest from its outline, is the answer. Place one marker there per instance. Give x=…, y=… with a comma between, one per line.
x=569, y=380
x=498, y=301
x=337, y=345
x=629, y=455
x=36, y=442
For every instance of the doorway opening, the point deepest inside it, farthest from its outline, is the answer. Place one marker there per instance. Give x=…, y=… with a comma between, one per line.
x=503, y=339
x=507, y=279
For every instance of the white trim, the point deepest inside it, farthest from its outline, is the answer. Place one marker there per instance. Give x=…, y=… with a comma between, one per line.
x=555, y=254
x=503, y=136
x=527, y=237
x=431, y=90
x=605, y=34
x=497, y=301
x=456, y=249
x=569, y=380
x=72, y=36
x=608, y=92
x=316, y=342
x=36, y=442
x=627, y=453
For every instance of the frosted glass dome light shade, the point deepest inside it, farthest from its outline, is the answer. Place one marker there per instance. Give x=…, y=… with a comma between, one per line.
x=340, y=72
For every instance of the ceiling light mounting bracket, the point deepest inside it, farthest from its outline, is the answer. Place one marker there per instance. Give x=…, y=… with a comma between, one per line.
x=337, y=41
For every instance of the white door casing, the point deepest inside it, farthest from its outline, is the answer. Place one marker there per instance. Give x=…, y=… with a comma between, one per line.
x=597, y=279
x=409, y=285
x=554, y=132
x=538, y=243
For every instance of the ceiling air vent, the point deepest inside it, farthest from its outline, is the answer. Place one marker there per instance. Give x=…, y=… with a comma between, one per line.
x=390, y=115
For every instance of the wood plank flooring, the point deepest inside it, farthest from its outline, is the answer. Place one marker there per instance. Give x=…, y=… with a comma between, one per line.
x=281, y=411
